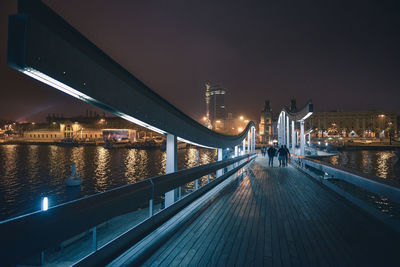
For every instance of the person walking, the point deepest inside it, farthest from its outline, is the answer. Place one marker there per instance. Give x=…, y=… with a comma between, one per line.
x=281, y=156
x=271, y=154
x=287, y=158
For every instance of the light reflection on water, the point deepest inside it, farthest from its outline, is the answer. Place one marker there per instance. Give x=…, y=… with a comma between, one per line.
x=379, y=163
x=28, y=172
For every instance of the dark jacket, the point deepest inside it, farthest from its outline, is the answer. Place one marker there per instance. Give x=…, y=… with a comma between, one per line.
x=282, y=152
x=271, y=151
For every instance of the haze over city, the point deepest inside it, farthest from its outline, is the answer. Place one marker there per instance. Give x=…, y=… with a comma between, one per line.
x=343, y=55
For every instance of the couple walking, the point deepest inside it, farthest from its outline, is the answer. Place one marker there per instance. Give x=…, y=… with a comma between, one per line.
x=282, y=153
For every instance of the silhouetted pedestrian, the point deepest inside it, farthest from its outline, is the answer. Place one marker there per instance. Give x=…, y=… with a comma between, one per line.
x=282, y=156
x=271, y=155
x=287, y=155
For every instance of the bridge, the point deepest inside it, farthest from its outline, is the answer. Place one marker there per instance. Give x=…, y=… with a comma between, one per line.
x=235, y=211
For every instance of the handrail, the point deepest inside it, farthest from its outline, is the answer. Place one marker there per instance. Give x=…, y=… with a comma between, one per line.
x=377, y=185
x=42, y=229
x=44, y=46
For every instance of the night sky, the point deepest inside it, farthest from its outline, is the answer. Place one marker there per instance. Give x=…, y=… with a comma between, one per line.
x=345, y=56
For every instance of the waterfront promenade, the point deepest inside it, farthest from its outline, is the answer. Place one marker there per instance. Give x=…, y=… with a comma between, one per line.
x=280, y=217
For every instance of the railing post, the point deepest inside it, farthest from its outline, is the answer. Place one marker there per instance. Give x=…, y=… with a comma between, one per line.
x=219, y=172
x=171, y=165
x=244, y=146
x=283, y=128
x=151, y=207
x=196, y=184
x=208, y=178
x=236, y=151
x=302, y=138
x=280, y=129
x=287, y=132
x=254, y=139
x=248, y=140
x=94, y=238
x=293, y=138
x=42, y=257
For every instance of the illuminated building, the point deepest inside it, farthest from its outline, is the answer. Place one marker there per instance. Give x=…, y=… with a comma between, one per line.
x=265, y=125
x=215, y=101
x=377, y=124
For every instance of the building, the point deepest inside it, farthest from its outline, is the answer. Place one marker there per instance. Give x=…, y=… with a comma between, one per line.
x=215, y=107
x=378, y=124
x=268, y=130
x=265, y=127
x=92, y=129
x=368, y=124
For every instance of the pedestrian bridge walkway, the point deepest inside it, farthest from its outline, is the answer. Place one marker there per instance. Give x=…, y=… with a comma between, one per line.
x=280, y=217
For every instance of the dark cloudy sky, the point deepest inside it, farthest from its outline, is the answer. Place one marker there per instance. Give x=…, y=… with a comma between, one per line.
x=342, y=54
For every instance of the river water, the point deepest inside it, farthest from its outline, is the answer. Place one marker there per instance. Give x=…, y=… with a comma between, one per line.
x=383, y=164
x=29, y=172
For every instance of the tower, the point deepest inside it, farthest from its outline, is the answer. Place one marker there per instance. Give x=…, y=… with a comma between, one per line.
x=215, y=103
x=208, y=122
x=265, y=126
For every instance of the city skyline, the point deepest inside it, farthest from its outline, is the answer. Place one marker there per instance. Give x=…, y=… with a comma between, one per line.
x=334, y=63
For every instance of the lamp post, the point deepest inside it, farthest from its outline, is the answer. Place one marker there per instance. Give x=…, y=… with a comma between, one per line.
x=390, y=132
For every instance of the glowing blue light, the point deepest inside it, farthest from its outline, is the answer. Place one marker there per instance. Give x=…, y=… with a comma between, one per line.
x=45, y=204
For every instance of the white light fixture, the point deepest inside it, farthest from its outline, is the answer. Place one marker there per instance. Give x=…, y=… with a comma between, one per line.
x=45, y=204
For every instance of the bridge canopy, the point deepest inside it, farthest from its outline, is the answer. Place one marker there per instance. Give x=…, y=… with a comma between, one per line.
x=300, y=114
x=44, y=46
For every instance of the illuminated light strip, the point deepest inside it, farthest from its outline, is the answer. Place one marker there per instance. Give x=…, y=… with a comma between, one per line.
x=193, y=143
x=56, y=84
x=306, y=116
x=75, y=93
x=141, y=123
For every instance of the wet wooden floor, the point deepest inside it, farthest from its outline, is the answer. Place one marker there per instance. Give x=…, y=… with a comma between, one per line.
x=280, y=217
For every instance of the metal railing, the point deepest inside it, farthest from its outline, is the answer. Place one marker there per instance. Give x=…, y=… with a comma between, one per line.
x=138, y=206
x=363, y=190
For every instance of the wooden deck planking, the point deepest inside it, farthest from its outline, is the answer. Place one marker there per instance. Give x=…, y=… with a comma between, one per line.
x=214, y=247
x=222, y=253
x=181, y=239
x=279, y=217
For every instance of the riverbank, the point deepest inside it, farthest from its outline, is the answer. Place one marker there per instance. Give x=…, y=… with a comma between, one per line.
x=381, y=163
x=373, y=146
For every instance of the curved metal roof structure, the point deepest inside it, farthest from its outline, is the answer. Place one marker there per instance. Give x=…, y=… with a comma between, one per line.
x=301, y=114
x=42, y=45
